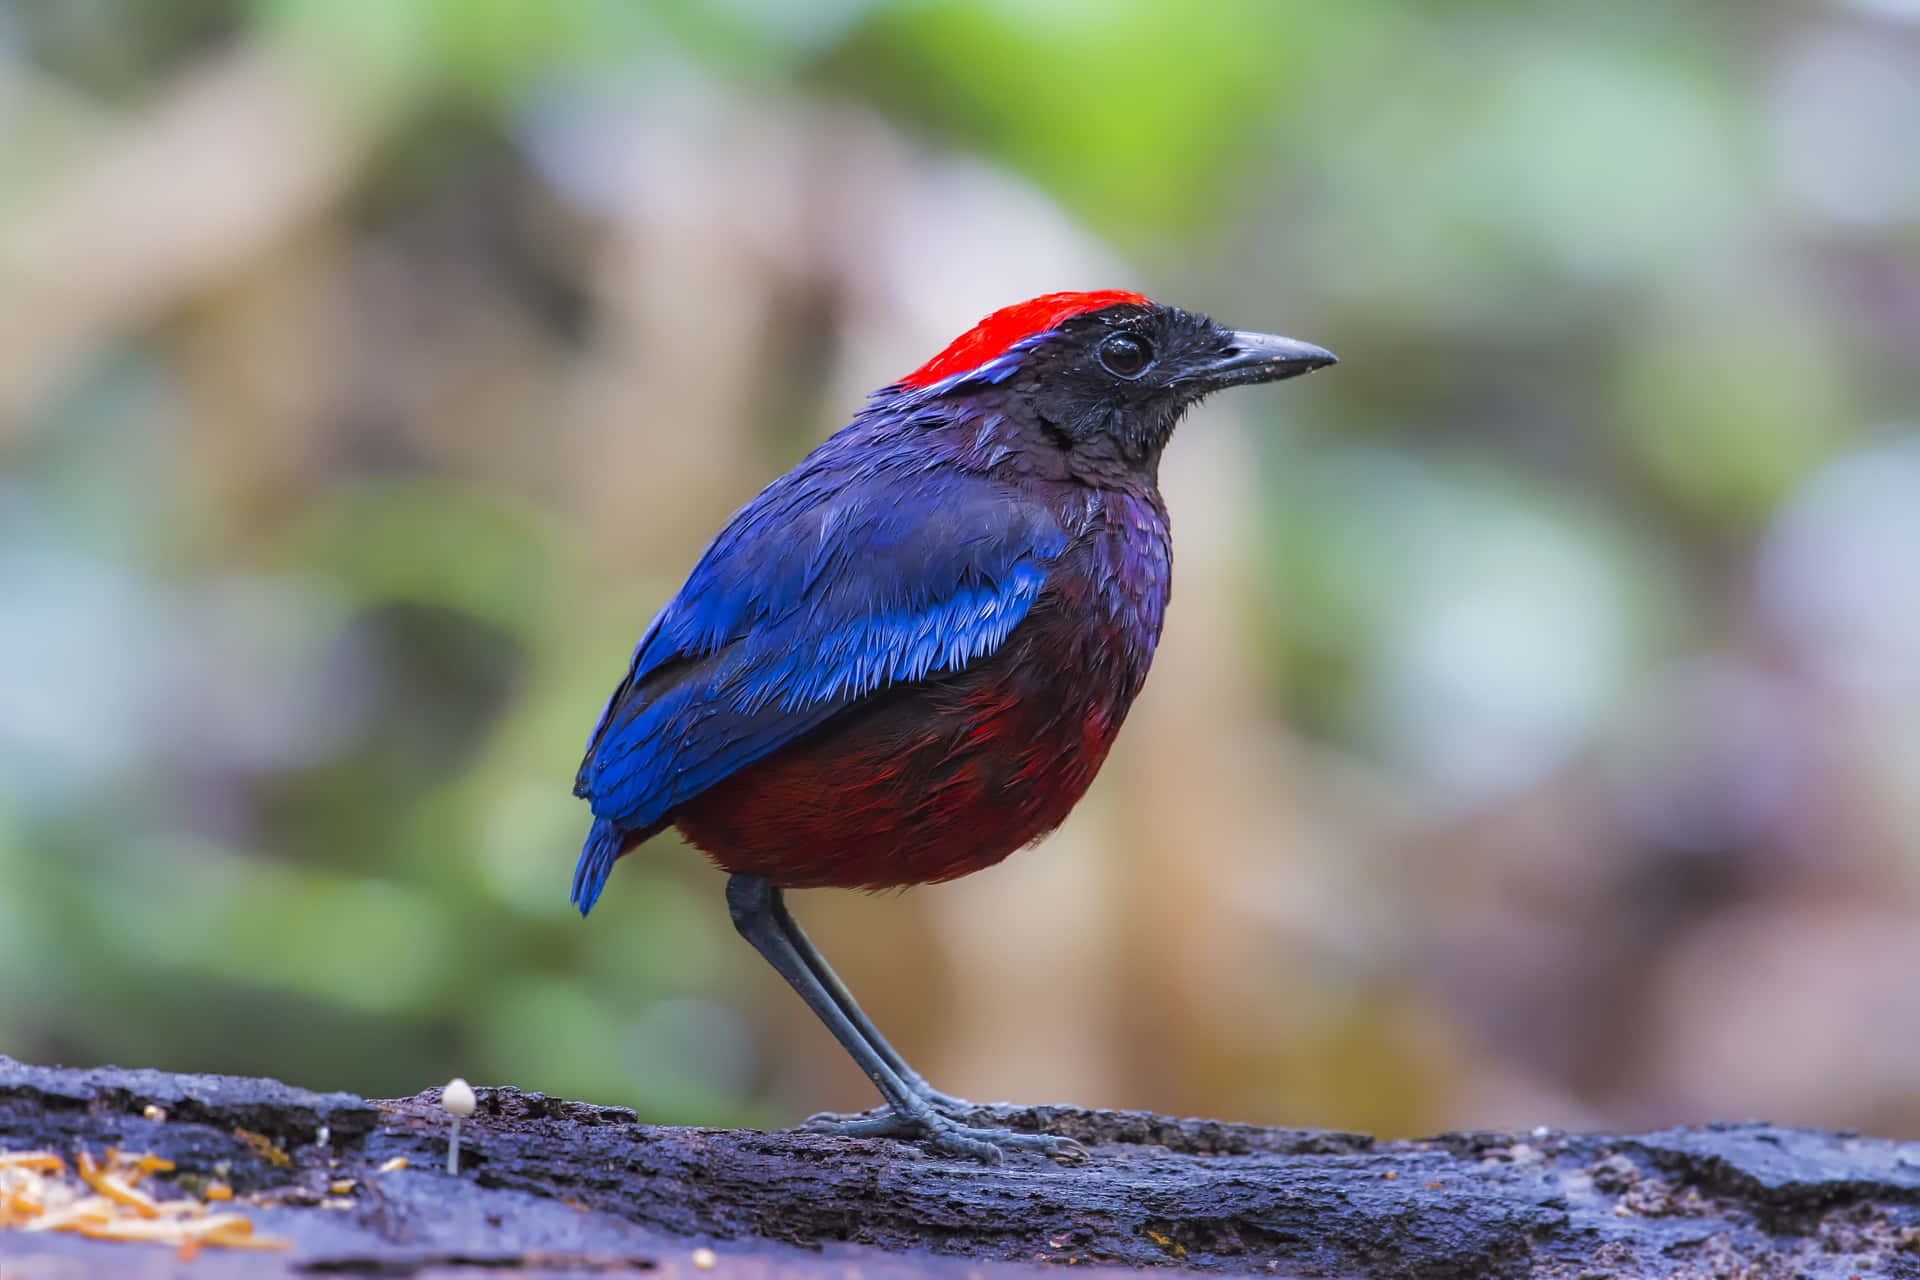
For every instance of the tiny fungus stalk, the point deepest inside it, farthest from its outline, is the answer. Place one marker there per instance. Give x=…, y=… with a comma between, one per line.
x=458, y=1100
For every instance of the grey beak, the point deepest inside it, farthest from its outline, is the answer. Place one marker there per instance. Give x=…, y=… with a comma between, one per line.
x=1262, y=357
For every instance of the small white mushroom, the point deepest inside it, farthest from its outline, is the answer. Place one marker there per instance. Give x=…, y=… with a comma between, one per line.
x=458, y=1100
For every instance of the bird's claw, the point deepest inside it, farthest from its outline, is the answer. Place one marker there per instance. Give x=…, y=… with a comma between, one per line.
x=944, y=1134
x=946, y=1103
x=942, y=1101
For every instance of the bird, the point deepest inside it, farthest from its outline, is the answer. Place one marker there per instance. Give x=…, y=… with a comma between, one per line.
x=908, y=656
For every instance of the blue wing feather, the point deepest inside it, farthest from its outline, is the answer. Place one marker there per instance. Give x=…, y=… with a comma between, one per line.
x=831, y=584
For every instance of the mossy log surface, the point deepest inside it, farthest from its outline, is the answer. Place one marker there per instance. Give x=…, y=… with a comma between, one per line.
x=565, y=1188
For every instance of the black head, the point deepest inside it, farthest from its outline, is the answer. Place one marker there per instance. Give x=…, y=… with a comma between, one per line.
x=1108, y=374
x=1128, y=372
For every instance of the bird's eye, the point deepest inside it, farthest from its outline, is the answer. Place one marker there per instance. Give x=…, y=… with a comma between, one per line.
x=1126, y=355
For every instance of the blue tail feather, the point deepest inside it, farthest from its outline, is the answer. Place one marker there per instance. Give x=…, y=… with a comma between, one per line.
x=596, y=863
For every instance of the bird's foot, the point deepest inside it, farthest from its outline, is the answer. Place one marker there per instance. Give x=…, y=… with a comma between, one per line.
x=947, y=1136
x=957, y=1108
x=942, y=1101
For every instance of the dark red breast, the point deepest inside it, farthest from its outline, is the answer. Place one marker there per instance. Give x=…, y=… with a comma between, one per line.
x=932, y=780
x=929, y=781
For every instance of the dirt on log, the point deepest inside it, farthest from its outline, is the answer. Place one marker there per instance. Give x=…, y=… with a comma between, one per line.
x=565, y=1188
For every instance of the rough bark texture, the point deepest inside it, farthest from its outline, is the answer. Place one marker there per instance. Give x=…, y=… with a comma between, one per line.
x=552, y=1187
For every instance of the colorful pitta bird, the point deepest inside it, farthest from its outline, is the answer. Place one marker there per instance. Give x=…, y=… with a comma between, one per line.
x=909, y=655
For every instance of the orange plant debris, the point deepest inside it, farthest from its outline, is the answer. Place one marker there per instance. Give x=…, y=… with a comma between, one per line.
x=39, y=1193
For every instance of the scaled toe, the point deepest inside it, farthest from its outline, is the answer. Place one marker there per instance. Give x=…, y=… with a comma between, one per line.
x=947, y=1136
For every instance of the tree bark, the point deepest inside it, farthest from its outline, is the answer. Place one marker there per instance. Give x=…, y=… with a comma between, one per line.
x=565, y=1188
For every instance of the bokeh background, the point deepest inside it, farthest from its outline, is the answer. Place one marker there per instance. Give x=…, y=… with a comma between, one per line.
x=1536, y=736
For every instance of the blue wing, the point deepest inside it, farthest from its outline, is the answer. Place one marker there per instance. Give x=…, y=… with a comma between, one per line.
x=831, y=584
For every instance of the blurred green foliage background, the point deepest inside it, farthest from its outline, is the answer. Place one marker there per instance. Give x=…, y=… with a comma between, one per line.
x=1537, y=735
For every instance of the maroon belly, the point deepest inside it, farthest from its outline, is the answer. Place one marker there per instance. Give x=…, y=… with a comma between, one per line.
x=917, y=785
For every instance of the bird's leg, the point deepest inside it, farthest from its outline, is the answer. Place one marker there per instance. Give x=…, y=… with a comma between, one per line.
x=756, y=907
x=827, y=978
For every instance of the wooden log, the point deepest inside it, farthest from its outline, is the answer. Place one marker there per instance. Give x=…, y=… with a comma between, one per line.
x=564, y=1188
